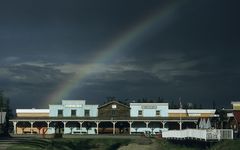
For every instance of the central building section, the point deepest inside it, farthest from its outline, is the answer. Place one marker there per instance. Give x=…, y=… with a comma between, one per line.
x=114, y=110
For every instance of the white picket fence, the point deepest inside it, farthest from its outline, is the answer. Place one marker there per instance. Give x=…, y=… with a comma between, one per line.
x=199, y=134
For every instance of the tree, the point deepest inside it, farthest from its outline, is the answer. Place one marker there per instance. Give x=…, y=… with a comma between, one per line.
x=4, y=107
x=222, y=117
x=111, y=98
x=160, y=100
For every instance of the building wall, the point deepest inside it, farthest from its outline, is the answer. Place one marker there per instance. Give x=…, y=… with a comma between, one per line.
x=236, y=107
x=33, y=115
x=191, y=113
x=149, y=109
x=120, y=112
x=78, y=105
x=30, y=113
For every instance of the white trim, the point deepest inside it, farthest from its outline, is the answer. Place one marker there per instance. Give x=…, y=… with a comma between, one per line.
x=32, y=110
x=147, y=104
x=73, y=100
x=192, y=111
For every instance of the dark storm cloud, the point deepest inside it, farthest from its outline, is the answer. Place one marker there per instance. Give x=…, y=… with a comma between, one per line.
x=196, y=55
x=46, y=27
x=28, y=84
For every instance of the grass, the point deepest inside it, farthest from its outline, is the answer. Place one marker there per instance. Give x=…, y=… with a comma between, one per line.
x=227, y=145
x=193, y=145
x=70, y=144
x=167, y=145
x=113, y=144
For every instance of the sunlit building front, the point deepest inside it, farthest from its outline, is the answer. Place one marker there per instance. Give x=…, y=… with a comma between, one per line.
x=113, y=117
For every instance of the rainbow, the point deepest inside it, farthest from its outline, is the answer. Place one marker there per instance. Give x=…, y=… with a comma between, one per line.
x=137, y=33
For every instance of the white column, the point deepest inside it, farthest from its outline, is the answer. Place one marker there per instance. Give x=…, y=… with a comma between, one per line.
x=196, y=125
x=163, y=123
x=97, y=126
x=31, y=127
x=180, y=125
x=15, y=127
x=97, y=123
x=48, y=124
x=80, y=122
x=130, y=127
x=64, y=127
x=146, y=124
x=114, y=127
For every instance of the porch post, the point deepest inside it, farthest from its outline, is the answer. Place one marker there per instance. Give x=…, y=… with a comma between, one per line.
x=114, y=127
x=64, y=127
x=48, y=124
x=97, y=126
x=180, y=125
x=31, y=127
x=163, y=123
x=147, y=122
x=130, y=127
x=80, y=122
x=15, y=127
x=196, y=125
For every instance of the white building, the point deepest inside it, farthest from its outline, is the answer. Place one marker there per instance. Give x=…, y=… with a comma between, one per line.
x=149, y=109
x=73, y=108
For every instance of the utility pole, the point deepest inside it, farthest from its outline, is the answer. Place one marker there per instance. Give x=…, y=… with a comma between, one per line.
x=180, y=108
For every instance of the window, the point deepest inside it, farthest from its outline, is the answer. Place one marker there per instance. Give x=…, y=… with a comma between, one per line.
x=86, y=113
x=157, y=112
x=60, y=112
x=114, y=106
x=113, y=112
x=140, y=113
x=73, y=113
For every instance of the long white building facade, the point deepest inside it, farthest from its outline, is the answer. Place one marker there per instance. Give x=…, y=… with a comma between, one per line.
x=77, y=117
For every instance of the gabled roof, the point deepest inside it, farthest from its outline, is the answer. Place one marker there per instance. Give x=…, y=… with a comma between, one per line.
x=111, y=102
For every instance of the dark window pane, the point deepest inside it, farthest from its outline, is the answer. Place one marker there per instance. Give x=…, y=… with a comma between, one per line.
x=140, y=112
x=60, y=112
x=73, y=112
x=113, y=112
x=86, y=113
x=157, y=113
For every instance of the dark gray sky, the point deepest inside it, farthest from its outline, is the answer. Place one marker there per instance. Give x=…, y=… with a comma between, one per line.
x=192, y=51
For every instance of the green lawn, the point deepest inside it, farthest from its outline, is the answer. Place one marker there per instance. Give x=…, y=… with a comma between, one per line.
x=71, y=144
x=227, y=145
x=113, y=144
